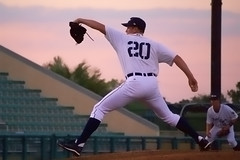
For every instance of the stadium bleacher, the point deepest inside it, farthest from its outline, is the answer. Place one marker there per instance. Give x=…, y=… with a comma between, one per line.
x=26, y=111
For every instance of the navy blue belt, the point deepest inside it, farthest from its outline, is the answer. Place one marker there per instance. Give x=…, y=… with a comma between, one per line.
x=140, y=74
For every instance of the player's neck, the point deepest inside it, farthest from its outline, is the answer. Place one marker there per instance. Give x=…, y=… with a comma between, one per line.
x=216, y=108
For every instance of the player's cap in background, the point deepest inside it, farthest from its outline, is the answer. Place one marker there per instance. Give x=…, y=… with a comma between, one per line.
x=214, y=97
x=136, y=22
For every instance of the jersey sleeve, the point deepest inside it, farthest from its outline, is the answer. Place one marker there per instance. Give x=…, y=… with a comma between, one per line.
x=209, y=119
x=165, y=55
x=113, y=36
x=232, y=114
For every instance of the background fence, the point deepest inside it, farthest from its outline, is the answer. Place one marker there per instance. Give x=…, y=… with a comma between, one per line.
x=44, y=147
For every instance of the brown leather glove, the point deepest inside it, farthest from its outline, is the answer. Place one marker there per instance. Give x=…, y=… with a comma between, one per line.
x=223, y=132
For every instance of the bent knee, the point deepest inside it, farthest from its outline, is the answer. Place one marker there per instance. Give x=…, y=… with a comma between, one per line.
x=172, y=119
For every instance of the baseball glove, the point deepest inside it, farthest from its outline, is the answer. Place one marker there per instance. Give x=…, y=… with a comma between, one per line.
x=77, y=32
x=223, y=132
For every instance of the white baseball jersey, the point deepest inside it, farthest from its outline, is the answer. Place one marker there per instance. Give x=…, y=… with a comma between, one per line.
x=219, y=120
x=223, y=117
x=139, y=57
x=137, y=53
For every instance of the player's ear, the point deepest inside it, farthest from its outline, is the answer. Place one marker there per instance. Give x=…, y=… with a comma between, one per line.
x=137, y=30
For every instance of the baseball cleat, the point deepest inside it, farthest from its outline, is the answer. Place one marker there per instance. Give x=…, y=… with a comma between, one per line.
x=204, y=145
x=237, y=148
x=71, y=146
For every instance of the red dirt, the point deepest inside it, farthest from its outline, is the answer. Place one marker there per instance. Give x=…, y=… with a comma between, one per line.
x=165, y=155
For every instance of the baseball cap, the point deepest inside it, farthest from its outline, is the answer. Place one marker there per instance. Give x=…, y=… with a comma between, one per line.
x=214, y=97
x=136, y=22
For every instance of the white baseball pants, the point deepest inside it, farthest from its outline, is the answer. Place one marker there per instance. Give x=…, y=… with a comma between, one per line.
x=136, y=88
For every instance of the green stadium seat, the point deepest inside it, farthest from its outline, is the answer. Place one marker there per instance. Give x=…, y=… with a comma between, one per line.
x=24, y=110
x=3, y=76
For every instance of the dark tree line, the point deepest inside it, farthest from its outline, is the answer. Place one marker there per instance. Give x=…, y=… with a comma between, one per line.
x=83, y=75
x=235, y=94
x=91, y=79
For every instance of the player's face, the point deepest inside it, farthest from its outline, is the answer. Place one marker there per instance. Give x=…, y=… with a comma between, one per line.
x=216, y=105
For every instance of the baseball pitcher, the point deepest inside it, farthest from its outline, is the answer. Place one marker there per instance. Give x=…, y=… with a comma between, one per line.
x=139, y=58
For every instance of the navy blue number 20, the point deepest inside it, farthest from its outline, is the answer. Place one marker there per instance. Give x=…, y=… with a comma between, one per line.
x=136, y=49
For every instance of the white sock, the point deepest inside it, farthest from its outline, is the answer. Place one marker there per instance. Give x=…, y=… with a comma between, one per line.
x=81, y=144
x=200, y=138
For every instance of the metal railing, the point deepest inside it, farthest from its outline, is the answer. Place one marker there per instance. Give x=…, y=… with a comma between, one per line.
x=44, y=147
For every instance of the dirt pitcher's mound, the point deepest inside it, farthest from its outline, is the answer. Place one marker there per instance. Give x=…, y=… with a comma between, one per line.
x=165, y=155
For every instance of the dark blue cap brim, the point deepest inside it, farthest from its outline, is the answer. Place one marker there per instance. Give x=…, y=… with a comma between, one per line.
x=126, y=25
